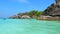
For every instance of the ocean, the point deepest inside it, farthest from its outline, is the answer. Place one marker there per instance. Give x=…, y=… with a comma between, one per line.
x=29, y=26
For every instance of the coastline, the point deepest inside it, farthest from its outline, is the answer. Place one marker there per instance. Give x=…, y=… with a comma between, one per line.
x=49, y=18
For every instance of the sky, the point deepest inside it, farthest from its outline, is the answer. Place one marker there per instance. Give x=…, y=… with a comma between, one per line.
x=13, y=7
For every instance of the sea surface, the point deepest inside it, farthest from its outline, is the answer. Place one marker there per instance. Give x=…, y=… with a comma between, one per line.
x=29, y=26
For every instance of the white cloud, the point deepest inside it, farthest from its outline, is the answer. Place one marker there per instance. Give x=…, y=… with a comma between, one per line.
x=22, y=1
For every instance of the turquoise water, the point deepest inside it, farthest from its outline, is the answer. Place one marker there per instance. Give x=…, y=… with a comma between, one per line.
x=29, y=26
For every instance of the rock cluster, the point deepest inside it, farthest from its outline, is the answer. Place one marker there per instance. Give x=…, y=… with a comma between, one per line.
x=53, y=10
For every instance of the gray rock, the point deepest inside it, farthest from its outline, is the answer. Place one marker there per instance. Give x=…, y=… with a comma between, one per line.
x=53, y=10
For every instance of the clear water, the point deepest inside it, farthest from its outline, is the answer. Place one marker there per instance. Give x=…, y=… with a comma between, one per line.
x=29, y=26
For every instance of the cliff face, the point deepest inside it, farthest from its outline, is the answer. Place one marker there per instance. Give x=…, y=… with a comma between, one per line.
x=54, y=9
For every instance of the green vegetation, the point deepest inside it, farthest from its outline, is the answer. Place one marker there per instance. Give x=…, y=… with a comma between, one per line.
x=35, y=13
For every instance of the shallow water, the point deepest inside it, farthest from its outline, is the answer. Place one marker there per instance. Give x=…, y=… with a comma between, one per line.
x=29, y=26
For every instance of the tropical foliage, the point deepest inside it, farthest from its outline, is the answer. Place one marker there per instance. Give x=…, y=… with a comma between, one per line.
x=35, y=13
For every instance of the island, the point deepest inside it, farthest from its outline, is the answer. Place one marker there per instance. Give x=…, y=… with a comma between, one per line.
x=30, y=14
x=51, y=13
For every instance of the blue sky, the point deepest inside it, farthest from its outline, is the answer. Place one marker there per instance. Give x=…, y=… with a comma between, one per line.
x=12, y=7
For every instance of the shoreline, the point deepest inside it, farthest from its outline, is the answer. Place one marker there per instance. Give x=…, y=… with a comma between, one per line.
x=40, y=18
x=49, y=18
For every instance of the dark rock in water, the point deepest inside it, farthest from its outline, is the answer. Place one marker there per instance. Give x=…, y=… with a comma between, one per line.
x=53, y=10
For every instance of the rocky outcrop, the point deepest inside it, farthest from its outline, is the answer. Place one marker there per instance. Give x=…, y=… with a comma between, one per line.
x=20, y=15
x=25, y=16
x=53, y=10
x=31, y=14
